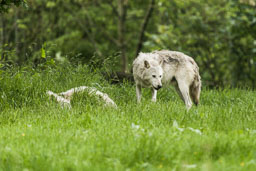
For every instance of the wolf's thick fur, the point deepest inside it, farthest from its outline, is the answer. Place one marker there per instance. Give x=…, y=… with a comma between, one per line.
x=64, y=97
x=150, y=70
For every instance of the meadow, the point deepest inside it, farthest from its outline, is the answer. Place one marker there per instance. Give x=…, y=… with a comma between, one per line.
x=36, y=133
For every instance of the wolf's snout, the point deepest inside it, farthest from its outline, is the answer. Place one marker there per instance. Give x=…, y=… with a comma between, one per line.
x=158, y=87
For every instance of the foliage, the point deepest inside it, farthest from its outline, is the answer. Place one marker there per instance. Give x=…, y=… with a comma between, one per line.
x=37, y=134
x=6, y=4
x=219, y=34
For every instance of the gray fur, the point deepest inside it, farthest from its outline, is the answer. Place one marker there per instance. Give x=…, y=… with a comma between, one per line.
x=151, y=70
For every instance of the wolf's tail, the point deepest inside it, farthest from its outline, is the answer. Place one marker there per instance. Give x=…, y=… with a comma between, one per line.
x=195, y=89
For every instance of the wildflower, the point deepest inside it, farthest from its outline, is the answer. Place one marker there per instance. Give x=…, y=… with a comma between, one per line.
x=135, y=126
x=189, y=166
x=175, y=125
x=195, y=131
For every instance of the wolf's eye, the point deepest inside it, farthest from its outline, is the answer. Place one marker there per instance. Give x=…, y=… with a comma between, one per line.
x=154, y=76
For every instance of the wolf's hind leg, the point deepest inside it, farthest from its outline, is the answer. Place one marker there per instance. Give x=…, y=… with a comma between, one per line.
x=184, y=90
x=138, y=92
x=154, y=94
x=195, y=90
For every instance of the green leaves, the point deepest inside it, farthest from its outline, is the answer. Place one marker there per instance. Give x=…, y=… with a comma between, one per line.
x=6, y=4
x=50, y=4
x=43, y=54
x=219, y=34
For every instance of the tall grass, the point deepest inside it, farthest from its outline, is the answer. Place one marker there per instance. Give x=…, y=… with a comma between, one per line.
x=36, y=133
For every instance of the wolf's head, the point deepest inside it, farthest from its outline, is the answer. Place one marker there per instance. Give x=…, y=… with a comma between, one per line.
x=153, y=74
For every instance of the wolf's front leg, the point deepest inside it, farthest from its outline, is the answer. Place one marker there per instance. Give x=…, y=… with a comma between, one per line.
x=138, y=92
x=154, y=94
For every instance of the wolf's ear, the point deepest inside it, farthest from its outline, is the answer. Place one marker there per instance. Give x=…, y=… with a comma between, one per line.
x=146, y=64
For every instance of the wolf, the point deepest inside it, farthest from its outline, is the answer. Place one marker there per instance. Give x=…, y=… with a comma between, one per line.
x=64, y=98
x=165, y=67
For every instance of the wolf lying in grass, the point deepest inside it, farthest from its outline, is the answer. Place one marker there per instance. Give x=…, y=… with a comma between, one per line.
x=64, y=97
x=150, y=70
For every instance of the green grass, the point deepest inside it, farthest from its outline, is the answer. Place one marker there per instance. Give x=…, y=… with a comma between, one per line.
x=37, y=134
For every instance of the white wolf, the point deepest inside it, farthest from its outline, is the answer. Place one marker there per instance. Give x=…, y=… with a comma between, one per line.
x=64, y=97
x=150, y=70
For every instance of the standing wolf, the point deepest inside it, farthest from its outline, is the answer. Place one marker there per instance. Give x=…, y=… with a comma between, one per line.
x=150, y=70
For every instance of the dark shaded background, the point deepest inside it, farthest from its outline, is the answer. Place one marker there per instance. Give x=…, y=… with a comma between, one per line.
x=219, y=34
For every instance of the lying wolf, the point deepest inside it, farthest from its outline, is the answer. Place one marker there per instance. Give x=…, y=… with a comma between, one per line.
x=64, y=97
x=150, y=70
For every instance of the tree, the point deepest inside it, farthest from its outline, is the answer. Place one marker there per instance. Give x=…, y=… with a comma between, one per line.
x=219, y=34
x=6, y=4
x=144, y=26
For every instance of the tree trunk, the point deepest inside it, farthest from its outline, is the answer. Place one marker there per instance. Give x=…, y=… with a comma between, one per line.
x=144, y=26
x=121, y=33
x=20, y=60
x=2, y=37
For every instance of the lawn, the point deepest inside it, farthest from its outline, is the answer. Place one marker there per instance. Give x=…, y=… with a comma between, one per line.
x=36, y=133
